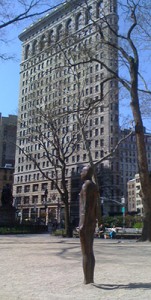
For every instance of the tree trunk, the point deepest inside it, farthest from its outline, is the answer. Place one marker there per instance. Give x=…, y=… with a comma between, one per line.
x=68, y=225
x=146, y=232
x=142, y=157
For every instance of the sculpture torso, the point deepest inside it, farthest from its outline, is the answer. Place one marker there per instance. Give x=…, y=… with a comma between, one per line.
x=88, y=196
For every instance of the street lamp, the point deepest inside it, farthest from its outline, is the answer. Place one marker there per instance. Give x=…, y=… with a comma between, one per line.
x=35, y=209
x=59, y=211
x=123, y=210
x=122, y=203
x=45, y=205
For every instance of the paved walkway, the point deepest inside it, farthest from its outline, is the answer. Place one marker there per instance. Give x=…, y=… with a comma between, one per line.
x=34, y=267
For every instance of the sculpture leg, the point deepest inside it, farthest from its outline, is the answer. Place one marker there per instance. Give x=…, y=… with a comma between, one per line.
x=88, y=257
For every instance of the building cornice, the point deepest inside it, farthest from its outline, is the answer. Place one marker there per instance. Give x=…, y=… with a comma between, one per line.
x=49, y=18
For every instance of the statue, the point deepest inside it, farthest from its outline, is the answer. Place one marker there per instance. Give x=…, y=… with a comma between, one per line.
x=87, y=224
x=7, y=198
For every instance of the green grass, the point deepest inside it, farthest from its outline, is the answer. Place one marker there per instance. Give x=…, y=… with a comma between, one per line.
x=59, y=232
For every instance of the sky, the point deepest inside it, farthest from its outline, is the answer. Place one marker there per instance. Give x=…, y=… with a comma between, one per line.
x=9, y=82
x=9, y=69
x=9, y=76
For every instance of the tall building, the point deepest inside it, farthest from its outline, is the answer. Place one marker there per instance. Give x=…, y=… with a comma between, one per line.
x=8, y=131
x=62, y=75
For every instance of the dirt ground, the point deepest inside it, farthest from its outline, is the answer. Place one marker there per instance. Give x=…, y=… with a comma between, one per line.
x=34, y=267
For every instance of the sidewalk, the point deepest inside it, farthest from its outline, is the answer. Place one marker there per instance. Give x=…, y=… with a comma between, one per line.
x=42, y=267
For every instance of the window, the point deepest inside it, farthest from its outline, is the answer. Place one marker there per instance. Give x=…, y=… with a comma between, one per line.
x=101, y=143
x=97, y=67
x=44, y=186
x=78, y=158
x=19, y=189
x=27, y=51
x=96, y=143
x=35, y=187
x=96, y=88
x=96, y=131
x=69, y=26
x=88, y=19
x=42, y=42
x=34, y=47
x=84, y=156
x=59, y=32
x=96, y=154
x=35, y=199
x=96, y=121
x=26, y=200
x=79, y=21
x=99, y=9
x=51, y=37
x=27, y=188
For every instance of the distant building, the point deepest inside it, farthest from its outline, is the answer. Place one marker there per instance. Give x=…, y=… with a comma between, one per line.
x=134, y=199
x=8, y=131
x=128, y=157
x=6, y=178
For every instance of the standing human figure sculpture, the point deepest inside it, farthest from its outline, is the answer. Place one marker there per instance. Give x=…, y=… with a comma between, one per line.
x=87, y=224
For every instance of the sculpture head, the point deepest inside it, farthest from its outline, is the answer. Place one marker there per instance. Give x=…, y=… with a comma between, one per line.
x=87, y=173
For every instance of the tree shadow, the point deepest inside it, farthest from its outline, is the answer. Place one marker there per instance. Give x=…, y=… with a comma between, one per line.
x=132, y=285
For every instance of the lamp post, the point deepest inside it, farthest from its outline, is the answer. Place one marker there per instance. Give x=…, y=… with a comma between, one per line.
x=45, y=205
x=123, y=210
x=122, y=203
x=35, y=210
x=59, y=211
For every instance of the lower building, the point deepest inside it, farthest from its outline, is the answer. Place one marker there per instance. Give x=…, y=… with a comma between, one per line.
x=128, y=157
x=135, y=204
x=8, y=131
x=6, y=178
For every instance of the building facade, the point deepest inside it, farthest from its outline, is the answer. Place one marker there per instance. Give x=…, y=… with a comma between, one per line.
x=6, y=179
x=63, y=79
x=128, y=158
x=134, y=196
x=8, y=131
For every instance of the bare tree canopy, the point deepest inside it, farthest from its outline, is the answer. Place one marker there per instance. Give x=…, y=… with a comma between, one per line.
x=18, y=10
x=18, y=14
x=121, y=57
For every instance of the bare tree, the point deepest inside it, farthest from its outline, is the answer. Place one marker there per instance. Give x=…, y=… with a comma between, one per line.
x=56, y=144
x=126, y=45
x=84, y=107
x=129, y=51
x=23, y=10
x=13, y=13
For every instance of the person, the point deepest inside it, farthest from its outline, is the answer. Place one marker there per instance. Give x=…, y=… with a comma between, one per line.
x=101, y=230
x=87, y=224
x=112, y=233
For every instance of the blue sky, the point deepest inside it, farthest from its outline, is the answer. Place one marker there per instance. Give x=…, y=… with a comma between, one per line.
x=9, y=76
x=9, y=84
x=9, y=70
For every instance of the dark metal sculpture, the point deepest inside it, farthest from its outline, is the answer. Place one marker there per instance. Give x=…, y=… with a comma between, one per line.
x=88, y=214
